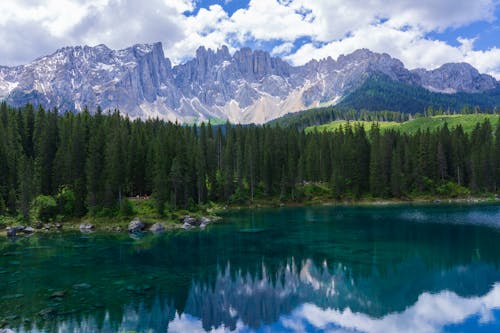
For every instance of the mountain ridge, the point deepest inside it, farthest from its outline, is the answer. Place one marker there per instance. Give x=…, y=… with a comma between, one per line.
x=248, y=86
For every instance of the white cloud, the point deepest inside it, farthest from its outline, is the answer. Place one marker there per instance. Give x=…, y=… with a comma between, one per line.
x=282, y=48
x=399, y=27
x=410, y=46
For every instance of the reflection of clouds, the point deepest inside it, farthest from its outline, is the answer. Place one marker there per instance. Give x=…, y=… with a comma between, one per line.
x=306, y=297
x=431, y=313
x=186, y=323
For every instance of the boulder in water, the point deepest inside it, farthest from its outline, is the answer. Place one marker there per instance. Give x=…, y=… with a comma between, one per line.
x=191, y=221
x=157, y=228
x=11, y=232
x=136, y=226
x=86, y=227
x=204, y=221
x=28, y=230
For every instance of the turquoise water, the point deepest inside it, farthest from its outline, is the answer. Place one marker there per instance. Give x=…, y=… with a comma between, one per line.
x=312, y=269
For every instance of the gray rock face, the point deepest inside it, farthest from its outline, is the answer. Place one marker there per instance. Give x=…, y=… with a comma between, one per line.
x=248, y=86
x=136, y=226
x=451, y=78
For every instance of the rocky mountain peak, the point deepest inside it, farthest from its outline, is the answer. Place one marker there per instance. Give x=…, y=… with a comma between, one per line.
x=248, y=86
x=455, y=77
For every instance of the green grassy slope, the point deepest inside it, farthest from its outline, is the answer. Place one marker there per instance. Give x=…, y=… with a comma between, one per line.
x=432, y=123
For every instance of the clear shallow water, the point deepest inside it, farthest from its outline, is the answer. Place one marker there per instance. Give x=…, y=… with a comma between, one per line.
x=326, y=269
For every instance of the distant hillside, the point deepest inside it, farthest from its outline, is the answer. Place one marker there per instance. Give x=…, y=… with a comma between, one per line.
x=326, y=115
x=468, y=122
x=381, y=93
x=383, y=99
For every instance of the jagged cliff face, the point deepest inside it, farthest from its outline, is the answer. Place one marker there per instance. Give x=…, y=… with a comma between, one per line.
x=452, y=78
x=246, y=87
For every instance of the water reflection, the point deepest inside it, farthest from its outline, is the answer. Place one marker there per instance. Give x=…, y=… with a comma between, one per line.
x=304, y=297
x=428, y=269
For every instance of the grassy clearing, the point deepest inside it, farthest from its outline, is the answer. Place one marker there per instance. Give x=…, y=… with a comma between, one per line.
x=468, y=122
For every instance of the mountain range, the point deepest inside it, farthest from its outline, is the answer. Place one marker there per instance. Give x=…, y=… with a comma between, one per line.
x=245, y=87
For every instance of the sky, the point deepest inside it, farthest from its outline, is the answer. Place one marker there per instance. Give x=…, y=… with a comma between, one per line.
x=425, y=33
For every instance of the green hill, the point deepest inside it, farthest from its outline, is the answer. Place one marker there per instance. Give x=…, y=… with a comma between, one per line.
x=381, y=93
x=380, y=98
x=468, y=122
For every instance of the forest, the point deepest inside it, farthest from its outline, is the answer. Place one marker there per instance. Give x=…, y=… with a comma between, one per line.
x=73, y=165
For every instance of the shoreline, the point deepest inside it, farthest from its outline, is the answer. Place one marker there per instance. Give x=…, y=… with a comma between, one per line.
x=117, y=225
x=372, y=202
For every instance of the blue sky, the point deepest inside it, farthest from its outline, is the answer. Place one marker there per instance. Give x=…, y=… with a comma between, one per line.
x=425, y=33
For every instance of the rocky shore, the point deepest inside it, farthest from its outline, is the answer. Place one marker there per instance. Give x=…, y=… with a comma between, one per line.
x=137, y=225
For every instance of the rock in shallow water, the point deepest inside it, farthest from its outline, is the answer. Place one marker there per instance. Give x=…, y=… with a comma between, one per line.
x=86, y=227
x=58, y=294
x=157, y=228
x=13, y=231
x=81, y=286
x=136, y=226
x=191, y=221
x=28, y=230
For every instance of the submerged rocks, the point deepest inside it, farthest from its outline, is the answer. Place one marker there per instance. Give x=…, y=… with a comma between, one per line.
x=136, y=226
x=82, y=286
x=157, y=228
x=58, y=294
x=47, y=313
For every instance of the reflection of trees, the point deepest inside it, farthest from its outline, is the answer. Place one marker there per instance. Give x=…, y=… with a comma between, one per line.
x=263, y=298
x=375, y=267
x=139, y=317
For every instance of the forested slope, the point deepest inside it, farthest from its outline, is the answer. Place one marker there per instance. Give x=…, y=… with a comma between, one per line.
x=79, y=164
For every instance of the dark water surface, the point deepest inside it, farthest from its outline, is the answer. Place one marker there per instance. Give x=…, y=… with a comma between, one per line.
x=326, y=269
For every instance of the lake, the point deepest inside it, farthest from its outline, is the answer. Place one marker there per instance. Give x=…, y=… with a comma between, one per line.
x=298, y=269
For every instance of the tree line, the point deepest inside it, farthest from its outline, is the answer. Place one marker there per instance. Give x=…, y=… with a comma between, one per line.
x=78, y=164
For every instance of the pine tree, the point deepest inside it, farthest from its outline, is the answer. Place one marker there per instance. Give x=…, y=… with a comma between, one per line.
x=176, y=179
x=496, y=157
x=94, y=165
x=26, y=186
